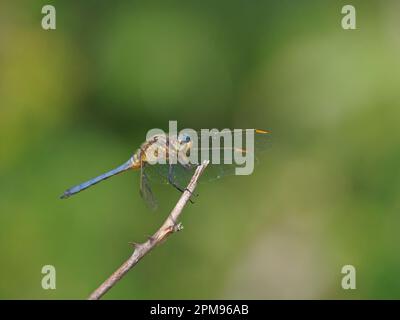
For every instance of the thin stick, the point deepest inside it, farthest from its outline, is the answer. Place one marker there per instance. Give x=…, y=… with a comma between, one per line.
x=169, y=226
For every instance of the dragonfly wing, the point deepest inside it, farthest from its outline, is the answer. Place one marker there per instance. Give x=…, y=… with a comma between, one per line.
x=159, y=173
x=237, y=143
x=181, y=175
x=145, y=191
x=228, y=150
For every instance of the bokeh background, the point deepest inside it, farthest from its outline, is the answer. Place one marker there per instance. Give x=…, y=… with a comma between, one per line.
x=79, y=100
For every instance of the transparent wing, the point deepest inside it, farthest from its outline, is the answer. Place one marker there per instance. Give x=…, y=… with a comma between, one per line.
x=145, y=190
x=227, y=145
x=228, y=150
x=222, y=151
x=159, y=173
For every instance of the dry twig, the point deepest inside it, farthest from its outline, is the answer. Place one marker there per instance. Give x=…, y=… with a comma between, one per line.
x=169, y=226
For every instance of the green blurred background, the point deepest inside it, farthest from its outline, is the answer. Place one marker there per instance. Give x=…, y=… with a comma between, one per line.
x=79, y=100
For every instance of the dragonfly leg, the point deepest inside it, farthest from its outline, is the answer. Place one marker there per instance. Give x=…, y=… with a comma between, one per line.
x=175, y=185
x=189, y=167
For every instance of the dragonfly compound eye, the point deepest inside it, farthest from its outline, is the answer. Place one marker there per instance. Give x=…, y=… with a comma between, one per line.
x=185, y=139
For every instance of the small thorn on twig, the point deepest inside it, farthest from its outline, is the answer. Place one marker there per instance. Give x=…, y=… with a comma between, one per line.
x=178, y=227
x=134, y=244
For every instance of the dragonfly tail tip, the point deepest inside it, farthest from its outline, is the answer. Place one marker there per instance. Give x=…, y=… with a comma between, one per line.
x=65, y=195
x=263, y=131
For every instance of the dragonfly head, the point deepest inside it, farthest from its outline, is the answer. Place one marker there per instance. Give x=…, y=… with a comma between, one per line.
x=184, y=138
x=185, y=143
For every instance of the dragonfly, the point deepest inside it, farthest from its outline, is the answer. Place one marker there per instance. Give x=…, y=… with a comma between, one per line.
x=173, y=159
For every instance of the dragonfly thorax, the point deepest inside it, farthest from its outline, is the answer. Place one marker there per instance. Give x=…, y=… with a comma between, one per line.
x=159, y=149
